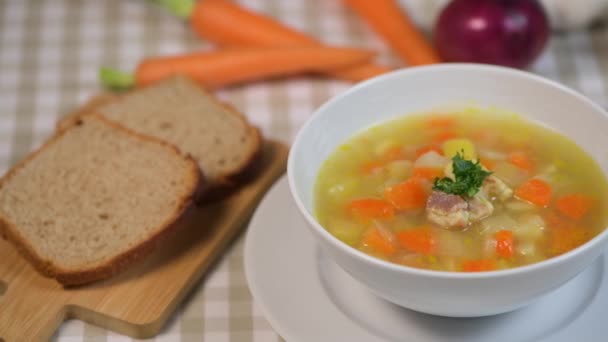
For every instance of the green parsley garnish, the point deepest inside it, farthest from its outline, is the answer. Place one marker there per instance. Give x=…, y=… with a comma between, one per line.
x=468, y=176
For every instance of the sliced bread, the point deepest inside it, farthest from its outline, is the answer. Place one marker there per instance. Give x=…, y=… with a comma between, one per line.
x=184, y=114
x=95, y=198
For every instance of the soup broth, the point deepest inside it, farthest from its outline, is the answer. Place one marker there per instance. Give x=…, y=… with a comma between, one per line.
x=462, y=191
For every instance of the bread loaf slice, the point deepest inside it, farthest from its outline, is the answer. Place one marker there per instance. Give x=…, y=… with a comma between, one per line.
x=184, y=114
x=94, y=199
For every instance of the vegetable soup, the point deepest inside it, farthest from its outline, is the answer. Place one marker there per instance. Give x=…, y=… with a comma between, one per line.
x=461, y=191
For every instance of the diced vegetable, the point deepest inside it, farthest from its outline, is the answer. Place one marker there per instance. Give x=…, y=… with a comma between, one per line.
x=488, y=164
x=522, y=161
x=393, y=153
x=442, y=136
x=420, y=240
x=526, y=248
x=371, y=208
x=504, y=243
x=535, y=191
x=563, y=234
x=574, y=206
x=399, y=169
x=374, y=239
x=431, y=159
x=406, y=195
x=464, y=146
x=517, y=205
x=489, y=153
x=381, y=148
x=564, y=239
x=510, y=174
x=428, y=173
x=344, y=190
x=347, y=231
x=530, y=227
x=479, y=265
x=441, y=121
x=428, y=148
x=452, y=243
x=495, y=223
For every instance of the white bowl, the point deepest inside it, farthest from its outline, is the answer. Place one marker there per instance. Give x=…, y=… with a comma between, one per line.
x=425, y=88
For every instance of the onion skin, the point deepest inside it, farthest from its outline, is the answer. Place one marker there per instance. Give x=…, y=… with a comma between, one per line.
x=511, y=33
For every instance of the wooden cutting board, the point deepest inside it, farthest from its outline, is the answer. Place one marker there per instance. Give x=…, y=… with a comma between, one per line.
x=139, y=301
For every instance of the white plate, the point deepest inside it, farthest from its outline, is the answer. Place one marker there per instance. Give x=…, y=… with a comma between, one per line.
x=307, y=297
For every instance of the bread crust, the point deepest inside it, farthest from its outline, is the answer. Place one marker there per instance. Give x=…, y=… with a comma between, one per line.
x=216, y=188
x=121, y=261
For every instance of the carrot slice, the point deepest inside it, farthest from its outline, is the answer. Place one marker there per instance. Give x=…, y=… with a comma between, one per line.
x=227, y=67
x=504, y=243
x=441, y=137
x=393, y=153
x=420, y=240
x=371, y=208
x=428, y=148
x=375, y=240
x=406, y=195
x=574, y=206
x=391, y=22
x=440, y=121
x=535, y=191
x=563, y=234
x=522, y=161
x=429, y=173
x=479, y=265
x=487, y=163
x=225, y=23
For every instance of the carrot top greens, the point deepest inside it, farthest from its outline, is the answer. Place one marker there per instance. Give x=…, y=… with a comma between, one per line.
x=469, y=177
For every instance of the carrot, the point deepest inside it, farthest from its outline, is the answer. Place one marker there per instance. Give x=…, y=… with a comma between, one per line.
x=228, y=24
x=487, y=163
x=535, y=191
x=574, y=206
x=428, y=148
x=233, y=66
x=391, y=22
x=371, y=166
x=479, y=265
x=563, y=234
x=393, y=153
x=420, y=240
x=504, y=243
x=440, y=121
x=428, y=173
x=441, y=137
x=406, y=195
x=522, y=161
x=375, y=240
x=370, y=208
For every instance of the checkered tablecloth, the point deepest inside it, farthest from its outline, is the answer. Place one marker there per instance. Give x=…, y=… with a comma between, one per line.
x=50, y=51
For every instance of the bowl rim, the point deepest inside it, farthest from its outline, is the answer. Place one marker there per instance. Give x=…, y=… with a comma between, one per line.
x=376, y=262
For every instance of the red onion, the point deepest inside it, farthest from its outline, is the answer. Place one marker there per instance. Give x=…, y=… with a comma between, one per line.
x=504, y=32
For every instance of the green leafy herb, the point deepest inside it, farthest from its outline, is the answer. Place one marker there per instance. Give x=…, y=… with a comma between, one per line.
x=468, y=176
x=115, y=79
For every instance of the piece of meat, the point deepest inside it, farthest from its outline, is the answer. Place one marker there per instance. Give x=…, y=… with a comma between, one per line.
x=479, y=208
x=447, y=210
x=495, y=187
x=453, y=212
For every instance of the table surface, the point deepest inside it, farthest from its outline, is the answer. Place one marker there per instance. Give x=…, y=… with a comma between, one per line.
x=50, y=52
